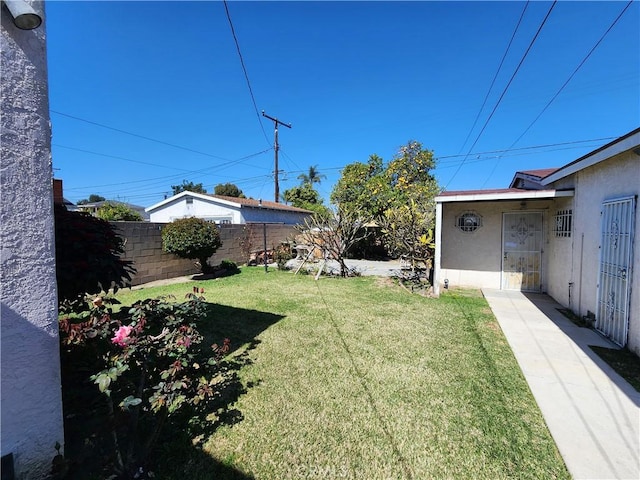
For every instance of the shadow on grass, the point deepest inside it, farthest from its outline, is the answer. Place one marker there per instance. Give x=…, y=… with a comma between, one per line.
x=178, y=453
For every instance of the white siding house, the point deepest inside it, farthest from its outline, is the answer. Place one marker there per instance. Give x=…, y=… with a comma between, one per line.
x=222, y=209
x=569, y=232
x=31, y=391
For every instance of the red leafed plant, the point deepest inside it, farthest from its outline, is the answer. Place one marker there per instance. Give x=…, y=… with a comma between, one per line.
x=151, y=365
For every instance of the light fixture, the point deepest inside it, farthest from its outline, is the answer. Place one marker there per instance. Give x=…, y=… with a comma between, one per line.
x=24, y=16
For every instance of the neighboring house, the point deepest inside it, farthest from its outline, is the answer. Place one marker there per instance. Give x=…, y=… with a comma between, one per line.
x=93, y=207
x=32, y=421
x=568, y=232
x=221, y=209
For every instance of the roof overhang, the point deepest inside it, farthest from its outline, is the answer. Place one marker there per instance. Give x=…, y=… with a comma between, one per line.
x=622, y=144
x=503, y=196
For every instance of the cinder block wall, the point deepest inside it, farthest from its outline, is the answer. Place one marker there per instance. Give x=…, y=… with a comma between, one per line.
x=144, y=247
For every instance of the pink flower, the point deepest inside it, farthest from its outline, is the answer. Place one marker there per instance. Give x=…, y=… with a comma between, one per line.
x=184, y=341
x=122, y=335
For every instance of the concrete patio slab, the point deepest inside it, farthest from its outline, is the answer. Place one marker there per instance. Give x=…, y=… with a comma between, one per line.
x=592, y=413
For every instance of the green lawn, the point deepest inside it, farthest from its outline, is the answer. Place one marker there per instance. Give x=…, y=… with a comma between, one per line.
x=357, y=378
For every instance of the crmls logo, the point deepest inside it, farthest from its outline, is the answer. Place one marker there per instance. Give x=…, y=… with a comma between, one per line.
x=329, y=471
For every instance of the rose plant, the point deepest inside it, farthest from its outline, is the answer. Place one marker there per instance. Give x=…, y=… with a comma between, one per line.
x=151, y=364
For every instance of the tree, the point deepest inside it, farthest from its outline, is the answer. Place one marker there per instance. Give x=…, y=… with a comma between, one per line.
x=305, y=196
x=118, y=212
x=312, y=177
x=93, y=198
x=188, y=186
x=334, y=233
x=228, y=190
x=408, y=231
x=363, y=187
x=88, y=255
x=192, y=238
x=408, y=221
x=398, y=195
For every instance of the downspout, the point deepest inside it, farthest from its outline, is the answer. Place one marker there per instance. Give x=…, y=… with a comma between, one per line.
x=438, y=252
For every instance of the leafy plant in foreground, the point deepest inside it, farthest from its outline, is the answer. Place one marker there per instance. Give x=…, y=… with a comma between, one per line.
x=152, y=365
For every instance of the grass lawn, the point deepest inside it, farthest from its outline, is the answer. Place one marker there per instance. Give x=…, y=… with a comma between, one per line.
x=357, y=378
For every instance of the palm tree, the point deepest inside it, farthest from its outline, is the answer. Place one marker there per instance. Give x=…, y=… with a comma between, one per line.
x=312, y=177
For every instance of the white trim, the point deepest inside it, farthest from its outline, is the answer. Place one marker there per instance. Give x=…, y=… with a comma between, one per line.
x=620, y=146
x=529, y=194
x=438, y=252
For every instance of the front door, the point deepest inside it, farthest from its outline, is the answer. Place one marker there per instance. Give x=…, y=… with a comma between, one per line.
x=614, y=278
x=522, y=251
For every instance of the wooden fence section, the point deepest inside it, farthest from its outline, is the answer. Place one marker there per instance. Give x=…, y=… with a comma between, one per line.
x=144, y=247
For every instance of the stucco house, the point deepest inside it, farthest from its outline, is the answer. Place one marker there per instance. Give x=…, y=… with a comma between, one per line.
x=222, y=209
x=32, y=418
x=567, y=232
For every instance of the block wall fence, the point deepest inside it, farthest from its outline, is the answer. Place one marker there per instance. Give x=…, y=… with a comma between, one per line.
x=143, y=245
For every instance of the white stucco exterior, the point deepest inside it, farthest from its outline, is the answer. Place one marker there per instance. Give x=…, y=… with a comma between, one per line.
x=474, y=259
x=612, y=178
x=224, y=210
x=570, y=263
x=31, y=390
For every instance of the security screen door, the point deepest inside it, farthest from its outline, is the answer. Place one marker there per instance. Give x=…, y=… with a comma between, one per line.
x=522, y=251
x=614, y=278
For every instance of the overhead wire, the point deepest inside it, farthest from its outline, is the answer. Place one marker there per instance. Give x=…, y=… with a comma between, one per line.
x=584, y=60
x=504, y=56
x=137, y=135
x=244, y=69
x=580, y=65
x=506, y=88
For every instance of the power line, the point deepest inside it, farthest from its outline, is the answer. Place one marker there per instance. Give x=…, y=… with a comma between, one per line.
x=535, y=37
x=244, y=69
x=486, y=97
x=561, y=88
x=574, y=72
x=137, y=135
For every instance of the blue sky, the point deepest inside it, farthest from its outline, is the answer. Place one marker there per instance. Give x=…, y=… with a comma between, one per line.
x=353, y=79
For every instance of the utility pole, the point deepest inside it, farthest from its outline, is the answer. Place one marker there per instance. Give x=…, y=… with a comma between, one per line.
x=275, y=148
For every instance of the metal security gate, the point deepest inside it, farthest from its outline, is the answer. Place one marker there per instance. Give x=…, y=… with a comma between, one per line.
x=614, y=278
x=522, y=251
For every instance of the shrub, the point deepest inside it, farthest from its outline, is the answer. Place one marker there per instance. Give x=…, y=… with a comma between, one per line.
x=192, y=238
x=229, y=266
x=118, y=212
x=282, y=254
x=149, y=364
x=88, y=255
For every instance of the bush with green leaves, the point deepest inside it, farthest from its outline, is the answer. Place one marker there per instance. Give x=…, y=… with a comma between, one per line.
x=88, y=255
x=192, y=238
x=118, y=212
x=149, y=364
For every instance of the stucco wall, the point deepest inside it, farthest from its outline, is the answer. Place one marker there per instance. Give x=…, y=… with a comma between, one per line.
x=31, y=392
x=559, y=251
x=614, y=178
x=474, y=259
x=144, y=247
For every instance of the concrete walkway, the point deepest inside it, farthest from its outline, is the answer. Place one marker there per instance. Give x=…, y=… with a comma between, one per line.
x=592, y=413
